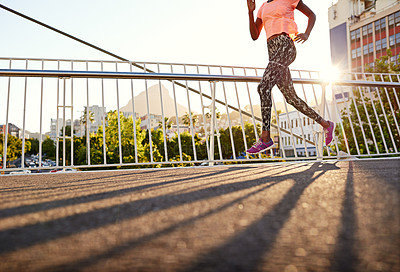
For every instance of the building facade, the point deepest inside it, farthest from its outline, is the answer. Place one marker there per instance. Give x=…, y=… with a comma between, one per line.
x=12, y=130
x=151, y=121
x=362, y=31
x=299, y=125
x=98, y=113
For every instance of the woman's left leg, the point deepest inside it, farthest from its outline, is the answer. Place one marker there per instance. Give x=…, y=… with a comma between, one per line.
x=285, y=57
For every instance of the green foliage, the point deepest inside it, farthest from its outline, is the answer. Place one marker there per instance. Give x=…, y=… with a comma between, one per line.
x=14, y=147
x=367, y=107
x=34, y=146
x=49, y=148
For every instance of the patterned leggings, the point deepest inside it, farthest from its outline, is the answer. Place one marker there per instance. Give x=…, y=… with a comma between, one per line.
x=282, y=53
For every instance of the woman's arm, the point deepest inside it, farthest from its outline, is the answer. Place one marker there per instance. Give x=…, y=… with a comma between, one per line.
x=302, y=37
x=255, y=26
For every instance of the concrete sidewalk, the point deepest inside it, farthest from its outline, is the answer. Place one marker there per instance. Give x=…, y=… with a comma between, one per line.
x=332, y=216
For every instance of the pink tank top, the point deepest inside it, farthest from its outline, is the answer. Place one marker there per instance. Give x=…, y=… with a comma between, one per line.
x=278, y=16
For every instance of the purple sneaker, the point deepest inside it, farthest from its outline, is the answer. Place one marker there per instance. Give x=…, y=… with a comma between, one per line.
x=329, y=133
x=260, y=146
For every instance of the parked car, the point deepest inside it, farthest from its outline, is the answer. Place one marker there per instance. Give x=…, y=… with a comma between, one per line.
x=64, y=170
x=20, y=172
x=69, y=170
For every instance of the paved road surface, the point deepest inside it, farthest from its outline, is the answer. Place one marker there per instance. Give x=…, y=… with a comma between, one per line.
x=333, y=216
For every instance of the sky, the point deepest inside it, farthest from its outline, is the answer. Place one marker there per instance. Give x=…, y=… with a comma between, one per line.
x=186, y=31
x=179, y=31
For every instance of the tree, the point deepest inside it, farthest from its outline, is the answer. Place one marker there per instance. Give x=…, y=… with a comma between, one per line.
x=186, y=119
x=34, y=146
x=49, y=148
x=127, y=139
x=377, y=110
x=167, y=122
x=14, y=147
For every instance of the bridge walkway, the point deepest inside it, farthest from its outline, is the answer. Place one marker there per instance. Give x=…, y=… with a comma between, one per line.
x=330, y=216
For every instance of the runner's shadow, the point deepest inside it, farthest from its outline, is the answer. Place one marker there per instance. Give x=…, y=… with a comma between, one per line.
x=345, y=255
x=29, y=235
x=245, y=251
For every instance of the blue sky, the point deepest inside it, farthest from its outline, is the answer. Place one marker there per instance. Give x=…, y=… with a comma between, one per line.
x=188, y=31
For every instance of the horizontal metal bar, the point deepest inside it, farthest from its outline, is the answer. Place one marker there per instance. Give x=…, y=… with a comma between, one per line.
x=141, y=62
x=169, y=76
x=123, y=75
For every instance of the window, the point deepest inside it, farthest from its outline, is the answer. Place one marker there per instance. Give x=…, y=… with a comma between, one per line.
x=369, y=28
x=359, y=52
x=304, y=121
x=371, y=48
x=308, y=121
x=291, y=122
x=297, y=123
x=383, y=24
x=365, y=49
x=391, y=20
x=365, y=30
x=353, y=54
x=377, y=25
x=397, y=17
x=384, y=43
x=358, y=33
x=353, y=35
x=392, y=40
x=398, y=38
x=378, y=45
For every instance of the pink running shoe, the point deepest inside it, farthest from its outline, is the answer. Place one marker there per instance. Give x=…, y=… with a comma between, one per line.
x=260, y=146
x=329, y=133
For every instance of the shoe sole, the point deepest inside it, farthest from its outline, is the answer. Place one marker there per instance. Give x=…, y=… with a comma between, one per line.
x=333, y=134
x=268, y=148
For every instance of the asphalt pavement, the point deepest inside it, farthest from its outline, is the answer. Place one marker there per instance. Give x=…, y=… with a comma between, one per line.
x=330, y=216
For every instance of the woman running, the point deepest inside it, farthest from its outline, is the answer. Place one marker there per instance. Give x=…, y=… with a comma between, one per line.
x=277, y=18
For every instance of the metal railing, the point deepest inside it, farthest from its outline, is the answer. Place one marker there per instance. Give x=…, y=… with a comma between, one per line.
x=212, y=107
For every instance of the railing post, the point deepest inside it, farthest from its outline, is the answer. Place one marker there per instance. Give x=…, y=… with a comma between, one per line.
x=213, y=120
x=320, y=132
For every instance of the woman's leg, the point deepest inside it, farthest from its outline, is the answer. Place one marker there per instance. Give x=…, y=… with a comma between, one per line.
x=264, y=90
x=285, y=85
x=284, y=58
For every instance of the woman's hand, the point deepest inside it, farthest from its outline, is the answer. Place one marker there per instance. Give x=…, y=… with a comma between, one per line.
x=251, y=4
x=301, y=38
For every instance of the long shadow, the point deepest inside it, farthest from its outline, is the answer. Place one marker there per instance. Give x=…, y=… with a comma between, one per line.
x=386, y=170
x=21, y=237
x=345, y=257
x=245, y=251
x=95, y=197
x=241, y=241
x=54, y=176
x=128, y=245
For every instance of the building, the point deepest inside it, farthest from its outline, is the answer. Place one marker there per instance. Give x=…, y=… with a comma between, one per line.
x=128, y=114
x=153, y=121
x=362, y=30
x=299, y=124
x=56, y=127
x=98, y=113
x=12, y=130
